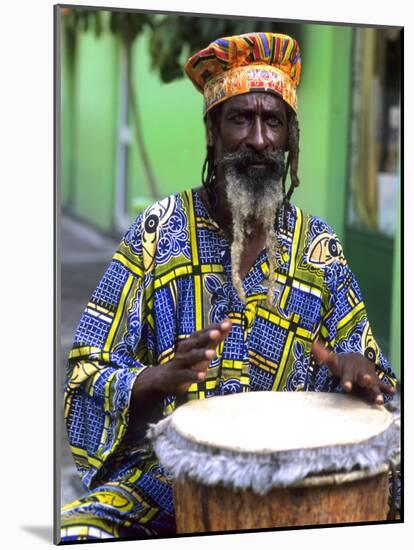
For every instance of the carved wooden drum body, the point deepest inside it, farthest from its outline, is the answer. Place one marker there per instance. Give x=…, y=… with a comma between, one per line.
x=276, y=459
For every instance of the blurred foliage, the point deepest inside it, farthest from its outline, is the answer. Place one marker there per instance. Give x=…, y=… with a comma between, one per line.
x=81, y=20
x=125, y=24
x=177, y=37
x=172, y=38
x=129, y=25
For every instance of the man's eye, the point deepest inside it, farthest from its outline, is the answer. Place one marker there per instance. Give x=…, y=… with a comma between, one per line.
x=274, y=121
x=239, y=119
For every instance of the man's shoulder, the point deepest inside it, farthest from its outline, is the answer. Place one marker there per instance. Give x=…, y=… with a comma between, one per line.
x=320, y=246
x=168, y=212
x=314, y=225
x=158, y=213
x=162, y=231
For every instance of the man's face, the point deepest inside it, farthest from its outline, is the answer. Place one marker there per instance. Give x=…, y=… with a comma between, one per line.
x=255, y=121
x=251, y=137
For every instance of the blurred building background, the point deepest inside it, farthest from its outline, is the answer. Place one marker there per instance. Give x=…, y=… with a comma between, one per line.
x=132, y=132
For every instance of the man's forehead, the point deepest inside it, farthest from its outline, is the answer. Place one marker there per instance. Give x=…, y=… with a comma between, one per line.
x=267, y=100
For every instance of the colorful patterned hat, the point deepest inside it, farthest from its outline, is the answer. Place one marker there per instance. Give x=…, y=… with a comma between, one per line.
x=249, y=62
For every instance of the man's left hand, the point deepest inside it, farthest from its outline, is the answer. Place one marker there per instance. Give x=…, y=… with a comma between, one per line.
x=355, y=372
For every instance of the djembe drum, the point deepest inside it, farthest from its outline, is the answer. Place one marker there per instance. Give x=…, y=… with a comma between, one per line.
x=271, y=459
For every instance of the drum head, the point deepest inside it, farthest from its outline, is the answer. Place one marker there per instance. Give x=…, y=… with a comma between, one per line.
x=269, y=422
x=261, y=440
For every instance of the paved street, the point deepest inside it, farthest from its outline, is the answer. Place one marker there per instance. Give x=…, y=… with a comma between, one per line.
x=85, y=255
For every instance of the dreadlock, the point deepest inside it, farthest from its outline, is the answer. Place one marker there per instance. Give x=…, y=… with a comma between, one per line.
x=293, y=154
x=208, y=175
x=291, y=163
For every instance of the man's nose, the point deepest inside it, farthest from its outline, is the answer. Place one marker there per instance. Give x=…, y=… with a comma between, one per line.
x=257, y=136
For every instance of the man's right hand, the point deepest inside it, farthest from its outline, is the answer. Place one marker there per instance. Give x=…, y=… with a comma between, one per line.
x=192, y=357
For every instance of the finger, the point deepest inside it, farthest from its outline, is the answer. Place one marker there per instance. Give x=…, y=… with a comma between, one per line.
x=223, y=326
x=216, y=337
x=364, y=380
x=201, y=370
x=204, y=363
x=374, y=393
x=187, y=378
x=205, y=330
x=208, y=337
x=374, y=385
x=319, y=351
x=201, y=376
x=181, y=378
x=379, y=399
x=386, y=388
x=324, y=355
x=201, y=340
x=348, y=376
x=191, y=358
x=184, y=346
x=213, y=338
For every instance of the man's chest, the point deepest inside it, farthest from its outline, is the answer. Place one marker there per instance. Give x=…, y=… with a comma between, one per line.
x=250, y=254
x=268, y=347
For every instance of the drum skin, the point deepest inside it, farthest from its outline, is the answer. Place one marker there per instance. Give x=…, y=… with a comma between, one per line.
x=265, y=460
x=202, y=508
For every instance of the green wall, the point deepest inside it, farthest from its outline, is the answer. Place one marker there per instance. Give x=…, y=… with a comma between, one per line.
x=173, y=130
x=96, y=137
x=323, y=117
x=91, y=142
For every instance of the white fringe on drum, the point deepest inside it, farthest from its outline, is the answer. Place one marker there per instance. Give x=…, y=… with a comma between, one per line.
x=263, y=472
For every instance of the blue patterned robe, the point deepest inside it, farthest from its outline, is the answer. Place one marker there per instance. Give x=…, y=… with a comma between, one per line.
x=170, y=276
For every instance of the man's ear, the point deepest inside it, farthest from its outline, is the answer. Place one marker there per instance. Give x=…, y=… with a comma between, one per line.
x=209, y=131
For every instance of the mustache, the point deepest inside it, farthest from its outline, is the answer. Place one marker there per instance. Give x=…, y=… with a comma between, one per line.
x=244, y=158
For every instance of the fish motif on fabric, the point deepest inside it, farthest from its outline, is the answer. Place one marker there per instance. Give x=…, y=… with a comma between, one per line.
x=325, y=250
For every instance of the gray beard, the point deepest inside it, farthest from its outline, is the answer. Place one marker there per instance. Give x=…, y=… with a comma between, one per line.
x=252, y=205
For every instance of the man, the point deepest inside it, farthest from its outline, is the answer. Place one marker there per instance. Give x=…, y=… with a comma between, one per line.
x=221, y=289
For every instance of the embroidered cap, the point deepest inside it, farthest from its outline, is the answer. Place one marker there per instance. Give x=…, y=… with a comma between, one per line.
x=248, y=62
